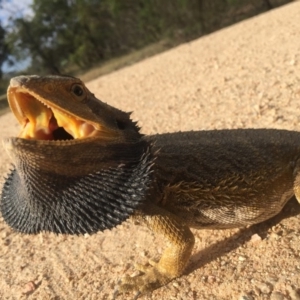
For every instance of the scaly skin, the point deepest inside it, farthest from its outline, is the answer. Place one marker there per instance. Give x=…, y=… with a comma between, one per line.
x=82, y=166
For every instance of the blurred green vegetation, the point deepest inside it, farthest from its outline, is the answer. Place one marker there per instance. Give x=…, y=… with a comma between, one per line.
x=71, y=36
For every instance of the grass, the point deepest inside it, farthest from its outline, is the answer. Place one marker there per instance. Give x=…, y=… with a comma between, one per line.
x=124, y=61
x=109, y=66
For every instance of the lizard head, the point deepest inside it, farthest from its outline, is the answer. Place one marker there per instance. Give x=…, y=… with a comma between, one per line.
x=61, y=120
x=62, y=108
x=80, y=165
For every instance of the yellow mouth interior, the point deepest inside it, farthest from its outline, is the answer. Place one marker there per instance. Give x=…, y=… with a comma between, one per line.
x=40, y=121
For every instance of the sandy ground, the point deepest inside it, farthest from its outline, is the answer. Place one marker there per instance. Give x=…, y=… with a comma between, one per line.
x=247, y=75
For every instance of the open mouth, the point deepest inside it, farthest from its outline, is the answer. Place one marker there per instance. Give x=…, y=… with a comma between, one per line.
x=41, y=121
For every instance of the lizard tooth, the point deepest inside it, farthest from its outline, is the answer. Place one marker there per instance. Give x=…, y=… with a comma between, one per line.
x=86, y=129
x=65, y=121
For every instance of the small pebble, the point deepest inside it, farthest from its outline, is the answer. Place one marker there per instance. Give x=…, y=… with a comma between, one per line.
x=245, y=297
x=255, y=238
x=29, y=288
x=265, y=288
x=277, y=296
x=211, y=279
x=293, y=293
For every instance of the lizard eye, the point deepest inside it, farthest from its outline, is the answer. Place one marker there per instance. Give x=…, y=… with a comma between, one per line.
x=78, y=91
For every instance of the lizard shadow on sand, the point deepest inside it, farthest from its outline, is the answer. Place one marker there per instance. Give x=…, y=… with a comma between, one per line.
x=218, y=249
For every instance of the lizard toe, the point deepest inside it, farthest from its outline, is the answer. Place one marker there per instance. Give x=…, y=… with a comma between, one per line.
x=149, y=280
x=144, y=268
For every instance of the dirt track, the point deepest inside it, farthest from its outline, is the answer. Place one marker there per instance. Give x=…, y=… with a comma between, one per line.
x=247, y=75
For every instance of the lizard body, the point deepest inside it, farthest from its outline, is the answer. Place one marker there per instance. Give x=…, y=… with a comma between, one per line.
x=81, y=166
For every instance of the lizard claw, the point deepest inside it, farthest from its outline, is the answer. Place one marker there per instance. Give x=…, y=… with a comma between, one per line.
x=144, y=268
x=117, y=292
x=150, y=279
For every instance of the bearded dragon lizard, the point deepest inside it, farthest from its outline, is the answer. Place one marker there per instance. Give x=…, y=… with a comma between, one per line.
x=81, y=166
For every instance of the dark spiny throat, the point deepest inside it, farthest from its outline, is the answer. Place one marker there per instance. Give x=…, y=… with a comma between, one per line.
x=34, y=200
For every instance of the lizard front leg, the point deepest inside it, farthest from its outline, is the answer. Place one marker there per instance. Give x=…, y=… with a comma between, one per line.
x=174, y=259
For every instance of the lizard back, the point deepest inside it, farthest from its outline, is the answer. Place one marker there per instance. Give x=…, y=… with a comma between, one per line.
x=226, y=178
